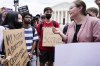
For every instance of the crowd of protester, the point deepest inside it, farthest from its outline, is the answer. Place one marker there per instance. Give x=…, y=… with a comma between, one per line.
x=85, y=27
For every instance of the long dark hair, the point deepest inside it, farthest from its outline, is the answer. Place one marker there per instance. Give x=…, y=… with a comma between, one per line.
x=11, y=20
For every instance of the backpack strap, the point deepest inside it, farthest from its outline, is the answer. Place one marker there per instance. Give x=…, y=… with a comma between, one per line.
x=41, y=25
x=33, y=29
x=54, y=23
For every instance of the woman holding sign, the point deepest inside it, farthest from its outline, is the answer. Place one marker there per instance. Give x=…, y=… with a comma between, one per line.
x=13, y=20
x=84, y=28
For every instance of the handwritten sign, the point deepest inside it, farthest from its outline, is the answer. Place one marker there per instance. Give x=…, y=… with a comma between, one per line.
x=50, y=39
x=15, y=46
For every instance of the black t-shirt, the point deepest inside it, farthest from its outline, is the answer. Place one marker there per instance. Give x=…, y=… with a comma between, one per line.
x=75, y=34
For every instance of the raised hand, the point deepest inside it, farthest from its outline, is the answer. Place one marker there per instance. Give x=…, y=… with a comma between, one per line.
x=56, y=30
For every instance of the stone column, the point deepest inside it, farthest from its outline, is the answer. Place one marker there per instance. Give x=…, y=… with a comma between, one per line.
x=61, y=17
x=58, y=17
x=66, y=19
x=55, y=15
x=69, y=20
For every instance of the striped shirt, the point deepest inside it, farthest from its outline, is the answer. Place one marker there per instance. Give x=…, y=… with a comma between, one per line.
x=30, y=38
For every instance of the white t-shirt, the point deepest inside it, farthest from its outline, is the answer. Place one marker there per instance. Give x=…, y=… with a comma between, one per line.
x=1, y=36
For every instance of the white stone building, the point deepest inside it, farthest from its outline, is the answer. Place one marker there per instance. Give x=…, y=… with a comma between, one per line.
x=60, y=13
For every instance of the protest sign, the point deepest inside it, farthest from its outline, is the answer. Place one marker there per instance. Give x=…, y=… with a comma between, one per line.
x=49, y=38
x=15, y=46
x=23, y=9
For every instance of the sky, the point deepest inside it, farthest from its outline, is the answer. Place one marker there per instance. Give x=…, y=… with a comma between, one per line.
x=37, y=6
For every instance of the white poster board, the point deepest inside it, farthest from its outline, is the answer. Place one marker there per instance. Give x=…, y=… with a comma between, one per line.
x=79, y=54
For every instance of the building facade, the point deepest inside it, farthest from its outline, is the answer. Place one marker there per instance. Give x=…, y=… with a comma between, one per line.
x=60, y=13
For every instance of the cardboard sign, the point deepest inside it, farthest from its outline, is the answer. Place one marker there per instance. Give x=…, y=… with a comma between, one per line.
x=49, y=38
x=77, y=54
x=23, y=9
x=15, y=46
